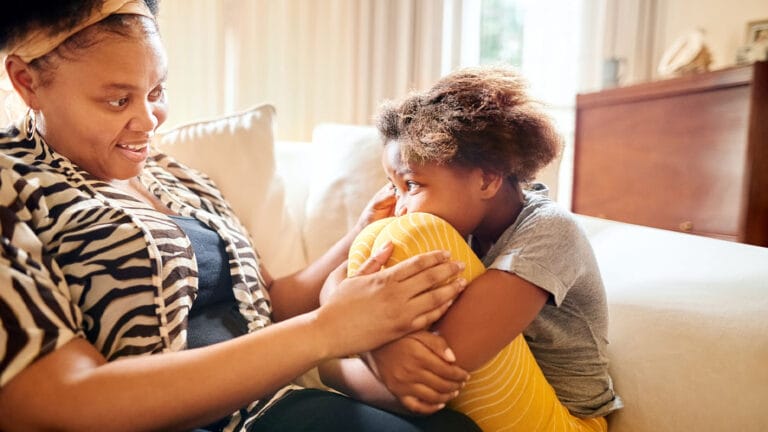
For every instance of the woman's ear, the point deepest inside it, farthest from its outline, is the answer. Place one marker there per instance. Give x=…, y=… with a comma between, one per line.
x=491, y=183
x=23, y=79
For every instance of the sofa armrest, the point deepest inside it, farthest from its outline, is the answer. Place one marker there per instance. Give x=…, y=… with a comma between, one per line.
x=688, y=328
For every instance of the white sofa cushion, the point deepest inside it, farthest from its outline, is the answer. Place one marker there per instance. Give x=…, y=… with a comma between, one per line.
x=237, y=152
x=345, y=171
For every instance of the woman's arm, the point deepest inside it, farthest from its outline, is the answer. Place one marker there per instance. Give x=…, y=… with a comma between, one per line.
x=298, y=293
x=74, y=388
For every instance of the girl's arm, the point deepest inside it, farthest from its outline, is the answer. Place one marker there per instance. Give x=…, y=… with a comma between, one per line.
x=74, y=388
x=501, y=304
x=434, y=365
x=298, y=293
x=491, y=312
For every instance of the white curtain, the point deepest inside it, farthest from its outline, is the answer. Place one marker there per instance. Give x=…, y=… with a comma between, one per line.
x=316, y=61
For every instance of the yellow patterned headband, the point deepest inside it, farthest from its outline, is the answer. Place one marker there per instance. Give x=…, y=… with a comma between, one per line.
x=39, y=42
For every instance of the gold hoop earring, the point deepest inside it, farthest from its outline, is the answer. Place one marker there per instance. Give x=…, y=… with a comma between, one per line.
x=30, y=124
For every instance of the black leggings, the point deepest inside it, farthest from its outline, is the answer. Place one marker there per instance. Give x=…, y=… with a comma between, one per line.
x=317, y=410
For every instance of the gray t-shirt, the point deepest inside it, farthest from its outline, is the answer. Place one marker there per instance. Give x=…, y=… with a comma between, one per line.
x=546, y=247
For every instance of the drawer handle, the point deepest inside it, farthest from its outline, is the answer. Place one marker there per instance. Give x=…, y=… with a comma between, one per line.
x=686, y=226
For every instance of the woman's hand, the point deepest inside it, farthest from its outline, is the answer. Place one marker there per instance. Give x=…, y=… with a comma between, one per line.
x=418, y=369
x=366, y=311
x=332, y=282
x=380, y=206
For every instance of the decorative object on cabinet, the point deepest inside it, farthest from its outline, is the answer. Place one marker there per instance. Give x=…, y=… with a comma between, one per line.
x=686, y=154
x=756, y=47
x=688, y=54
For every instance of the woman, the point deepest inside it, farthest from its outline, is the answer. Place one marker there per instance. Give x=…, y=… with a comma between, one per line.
x=111, y=252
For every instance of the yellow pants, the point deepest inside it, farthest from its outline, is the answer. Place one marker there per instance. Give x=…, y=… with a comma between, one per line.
x=509, y=393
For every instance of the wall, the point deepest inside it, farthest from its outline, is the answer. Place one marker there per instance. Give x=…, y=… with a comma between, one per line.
x=639, y=31
x=724, y=23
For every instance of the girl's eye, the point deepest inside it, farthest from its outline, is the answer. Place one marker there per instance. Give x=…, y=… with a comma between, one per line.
x=118, y=103
x=411, y=185
x=394, y=189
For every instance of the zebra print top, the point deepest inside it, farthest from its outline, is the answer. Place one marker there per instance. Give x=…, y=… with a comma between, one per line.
x=80, y=258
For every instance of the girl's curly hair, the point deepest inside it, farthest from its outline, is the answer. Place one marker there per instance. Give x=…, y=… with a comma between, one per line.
x=475, y=117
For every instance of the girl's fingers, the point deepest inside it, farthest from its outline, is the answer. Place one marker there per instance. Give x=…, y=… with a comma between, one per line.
x=414, y=405
x=430, y=396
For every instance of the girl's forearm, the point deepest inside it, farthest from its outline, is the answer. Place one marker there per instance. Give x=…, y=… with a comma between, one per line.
x=352, y=377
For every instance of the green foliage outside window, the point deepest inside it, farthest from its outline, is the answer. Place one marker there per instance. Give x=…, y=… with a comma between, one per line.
x=501, y=32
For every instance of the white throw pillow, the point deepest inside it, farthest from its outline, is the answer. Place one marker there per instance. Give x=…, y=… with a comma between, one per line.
x=345, y=173
x=237, y=152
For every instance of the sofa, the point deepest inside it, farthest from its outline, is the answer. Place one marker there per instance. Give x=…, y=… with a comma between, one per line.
x=688, y=314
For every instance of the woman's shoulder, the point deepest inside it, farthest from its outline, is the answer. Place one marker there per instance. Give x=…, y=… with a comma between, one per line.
x=14, y=145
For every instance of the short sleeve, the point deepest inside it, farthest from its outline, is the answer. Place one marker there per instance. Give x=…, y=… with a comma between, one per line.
x=36, y=313
x=547, y=248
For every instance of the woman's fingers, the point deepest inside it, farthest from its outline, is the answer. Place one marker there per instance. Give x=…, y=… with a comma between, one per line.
x=432, y=304
x=376, y=261
x=332, y=282
x=380, y=307
x=425, y=271
x=380, y=206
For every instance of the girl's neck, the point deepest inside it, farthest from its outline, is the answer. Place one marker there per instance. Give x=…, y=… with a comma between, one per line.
x=501, y=212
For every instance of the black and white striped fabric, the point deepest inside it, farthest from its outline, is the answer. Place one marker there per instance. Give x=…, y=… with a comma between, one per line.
x=80, y=258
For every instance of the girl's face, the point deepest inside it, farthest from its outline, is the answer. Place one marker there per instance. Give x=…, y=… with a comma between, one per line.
x=101, y=108
x=452, y=193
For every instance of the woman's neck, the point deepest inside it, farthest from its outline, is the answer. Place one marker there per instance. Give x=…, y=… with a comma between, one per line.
x=136, y=189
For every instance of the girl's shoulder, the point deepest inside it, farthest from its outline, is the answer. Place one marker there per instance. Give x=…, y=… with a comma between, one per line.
x=541, y=212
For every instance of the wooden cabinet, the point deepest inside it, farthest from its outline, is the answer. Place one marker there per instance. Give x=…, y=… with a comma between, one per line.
x=687, y=154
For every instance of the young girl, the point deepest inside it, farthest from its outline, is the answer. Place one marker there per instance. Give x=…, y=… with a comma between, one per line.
x=532, y=323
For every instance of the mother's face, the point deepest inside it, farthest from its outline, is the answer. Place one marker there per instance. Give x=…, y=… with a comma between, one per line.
x=100, y=108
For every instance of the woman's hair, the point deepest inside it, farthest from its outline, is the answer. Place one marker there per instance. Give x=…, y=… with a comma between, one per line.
x=474, y=117
x=62, y=15
x=20, y=17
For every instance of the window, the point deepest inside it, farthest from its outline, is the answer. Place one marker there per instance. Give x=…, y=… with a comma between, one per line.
x=501, y=32
x=544, y=39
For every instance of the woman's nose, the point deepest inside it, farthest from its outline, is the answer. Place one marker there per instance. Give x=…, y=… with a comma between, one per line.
x=145, y=118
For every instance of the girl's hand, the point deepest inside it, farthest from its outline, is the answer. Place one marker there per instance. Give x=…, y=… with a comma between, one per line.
x=369, y=310
x=380, y=206
x=418, y=369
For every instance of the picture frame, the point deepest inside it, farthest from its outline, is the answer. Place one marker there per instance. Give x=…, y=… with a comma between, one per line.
x=757, y=32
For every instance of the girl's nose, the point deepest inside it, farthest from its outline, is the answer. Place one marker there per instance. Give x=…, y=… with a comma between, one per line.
x=400, y=208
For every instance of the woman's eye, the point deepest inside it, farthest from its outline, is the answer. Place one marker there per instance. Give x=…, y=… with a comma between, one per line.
x=157, y=94
x=118, y=103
